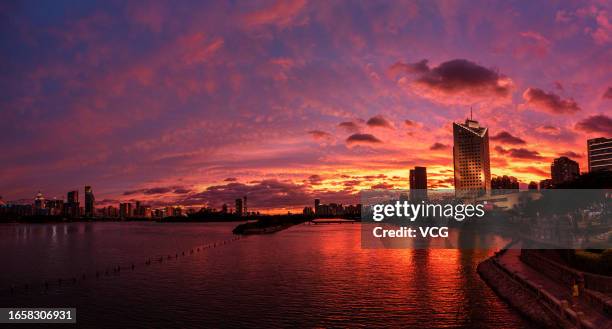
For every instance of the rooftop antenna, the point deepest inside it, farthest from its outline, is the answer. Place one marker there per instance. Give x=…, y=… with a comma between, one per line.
x=471, y=116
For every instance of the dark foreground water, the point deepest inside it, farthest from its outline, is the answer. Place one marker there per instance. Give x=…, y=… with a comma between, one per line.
x=309, y=275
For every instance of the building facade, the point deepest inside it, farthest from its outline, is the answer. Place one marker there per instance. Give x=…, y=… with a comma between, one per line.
x=564, y=169
x=600, y=154
x=418, y=183
x=89, y=202
x=239, y=209
x=471, y=158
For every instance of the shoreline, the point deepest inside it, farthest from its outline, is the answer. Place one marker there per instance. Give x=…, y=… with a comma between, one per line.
x=538, y=297
x=505, y=287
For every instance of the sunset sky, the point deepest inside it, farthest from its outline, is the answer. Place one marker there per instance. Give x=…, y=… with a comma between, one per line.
x=199, y=102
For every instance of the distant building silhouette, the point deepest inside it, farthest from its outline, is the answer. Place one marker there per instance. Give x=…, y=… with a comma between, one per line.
x=39, y=201
x=418, y=183
x=600, y=154
x=308, y=211
x=126, y=210
x=471, y=158
x=72, y=207
x=532, y=185
x=564, y=169
x=239, y=210
x=89, y=202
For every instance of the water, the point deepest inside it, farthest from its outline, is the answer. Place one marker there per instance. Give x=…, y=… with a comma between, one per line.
x=308, y=275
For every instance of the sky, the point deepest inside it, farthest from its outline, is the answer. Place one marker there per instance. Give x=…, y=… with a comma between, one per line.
x=200, y=102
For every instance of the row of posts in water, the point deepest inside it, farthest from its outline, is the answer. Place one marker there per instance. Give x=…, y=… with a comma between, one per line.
x=115, y=270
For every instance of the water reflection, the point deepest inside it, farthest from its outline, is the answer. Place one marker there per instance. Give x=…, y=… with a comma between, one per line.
x=314, y=276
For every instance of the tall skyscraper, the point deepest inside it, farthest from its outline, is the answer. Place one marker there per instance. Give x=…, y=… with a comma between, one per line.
x=418, y=183
x=600, y=154
x=471, y=158
x=73, y=196
x=72, y=207
x=239, y=209
x=89, y=202
x=126, y=210
x=39, y=201
x=317, y=204
x=564, y=169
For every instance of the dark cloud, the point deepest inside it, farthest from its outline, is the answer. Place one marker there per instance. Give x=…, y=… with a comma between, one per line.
x=418, y=67
x=410, y=123
x=599, y=123
x=459, y=75
x=267, y=194
x=349, y=126
x=506, y=138
x=520, y=153
x=149, y=191
x=230, y=179
x=159, y=190
x=549, y=102
x=318, y=134
x=379, y=121
x=362, y=138
x=532, y=170
x=315, y=179
x=382, y=186
x=438, y=146
x=570, y=154
x=549, y=130
x=350, y=183
x=608, y=93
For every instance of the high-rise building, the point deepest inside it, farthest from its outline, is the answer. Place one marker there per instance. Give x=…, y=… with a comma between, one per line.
x=126, y=210
x=564, y=169
x=418, y=183
x=239, y=209
x=39, y=201
x=471, y=158
x=89, y=202
x=72, y=207
x=73, y=197
x=600, y=154
x=317, y=203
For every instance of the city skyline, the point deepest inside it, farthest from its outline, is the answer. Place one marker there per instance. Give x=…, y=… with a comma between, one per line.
x=282, y=102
